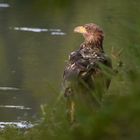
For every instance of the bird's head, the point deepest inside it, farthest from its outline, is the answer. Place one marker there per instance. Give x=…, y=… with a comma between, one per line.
x=91, y=32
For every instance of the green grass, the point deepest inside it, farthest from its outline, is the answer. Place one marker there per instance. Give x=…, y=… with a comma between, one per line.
x=118, y=119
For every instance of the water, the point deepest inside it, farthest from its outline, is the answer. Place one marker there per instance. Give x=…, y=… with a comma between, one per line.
x=36, y=38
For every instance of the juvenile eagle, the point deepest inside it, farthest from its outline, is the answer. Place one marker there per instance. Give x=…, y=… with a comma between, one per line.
x=85, y=75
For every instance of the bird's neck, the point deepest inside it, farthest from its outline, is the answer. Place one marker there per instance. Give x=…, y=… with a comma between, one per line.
x=95, y=41
x=93, y=45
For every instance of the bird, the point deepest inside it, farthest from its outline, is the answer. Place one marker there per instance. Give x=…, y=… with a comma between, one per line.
x=86, y=74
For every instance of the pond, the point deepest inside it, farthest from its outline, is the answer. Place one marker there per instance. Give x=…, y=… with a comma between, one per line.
x=36, y=38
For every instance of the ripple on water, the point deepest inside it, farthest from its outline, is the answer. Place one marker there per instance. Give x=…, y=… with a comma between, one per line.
x=9, y=88
x=4, y=5
x=20, y=124
x=15, y=107
x=39, y=30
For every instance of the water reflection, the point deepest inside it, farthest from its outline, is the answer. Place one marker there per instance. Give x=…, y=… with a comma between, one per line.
x=38, y=30
x=15, y=107
x=21, y=124
x=4, y=5
x=17, y=104
x=30, y=29
x=9, y=88
x=58, y=33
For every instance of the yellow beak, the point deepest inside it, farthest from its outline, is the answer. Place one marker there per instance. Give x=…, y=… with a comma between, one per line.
x=80, y=29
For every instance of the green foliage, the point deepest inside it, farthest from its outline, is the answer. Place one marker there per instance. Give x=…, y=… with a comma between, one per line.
x=118, y=119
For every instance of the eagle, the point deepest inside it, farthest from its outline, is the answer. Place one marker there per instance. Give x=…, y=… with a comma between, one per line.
x=86, y=75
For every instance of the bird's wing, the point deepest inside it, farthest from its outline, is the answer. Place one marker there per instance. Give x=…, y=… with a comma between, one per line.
x=75, y=66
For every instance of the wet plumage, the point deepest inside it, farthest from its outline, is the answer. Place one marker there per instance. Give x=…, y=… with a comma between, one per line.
x=84, y=76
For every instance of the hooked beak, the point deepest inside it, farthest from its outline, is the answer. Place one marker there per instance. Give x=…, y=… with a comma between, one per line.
x=80, y=29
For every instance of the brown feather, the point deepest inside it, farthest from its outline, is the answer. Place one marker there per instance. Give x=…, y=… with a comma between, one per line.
x=83, y=74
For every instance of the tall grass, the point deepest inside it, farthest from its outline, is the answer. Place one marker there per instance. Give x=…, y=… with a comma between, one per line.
x=118, y=119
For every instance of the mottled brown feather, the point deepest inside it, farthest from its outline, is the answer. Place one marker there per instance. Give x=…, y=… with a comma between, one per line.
x=83, y=73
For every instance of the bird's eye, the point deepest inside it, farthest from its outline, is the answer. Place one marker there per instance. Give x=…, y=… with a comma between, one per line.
x=87, y=28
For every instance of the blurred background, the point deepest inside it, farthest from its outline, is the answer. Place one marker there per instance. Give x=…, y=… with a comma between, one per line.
x=36, y=37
